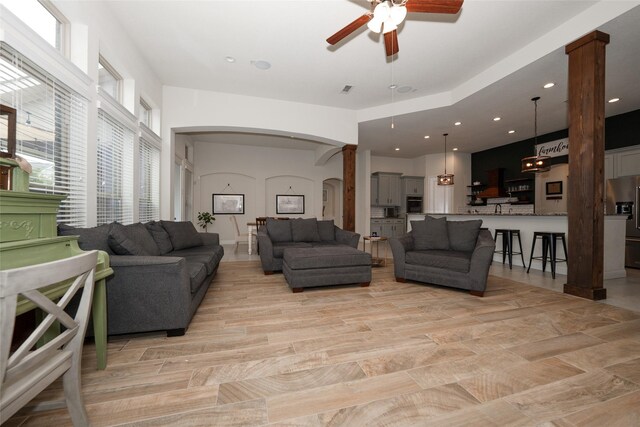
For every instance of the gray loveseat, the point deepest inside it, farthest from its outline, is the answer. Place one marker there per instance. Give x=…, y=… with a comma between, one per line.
x=162, y=271
x=449, y=253
x=279, y=235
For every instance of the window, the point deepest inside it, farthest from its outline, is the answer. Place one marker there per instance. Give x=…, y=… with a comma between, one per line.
x=115, y=171
x=42, y=17
x=51, y=131
x=149, y=170
x=145, y=113
x=109, y=80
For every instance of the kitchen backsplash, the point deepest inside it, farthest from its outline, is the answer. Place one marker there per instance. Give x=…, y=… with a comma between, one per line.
x=377, y=212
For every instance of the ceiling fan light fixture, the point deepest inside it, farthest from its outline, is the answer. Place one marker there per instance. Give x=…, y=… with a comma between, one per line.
x=375, y=25
x=397, y=14
x=389, y=26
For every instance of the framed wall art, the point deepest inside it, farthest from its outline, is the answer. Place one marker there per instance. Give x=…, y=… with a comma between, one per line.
x=553, y=190
x=289, y=204
x=228, y=204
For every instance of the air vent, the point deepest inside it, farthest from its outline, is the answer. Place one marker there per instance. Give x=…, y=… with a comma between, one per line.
x=345, y=90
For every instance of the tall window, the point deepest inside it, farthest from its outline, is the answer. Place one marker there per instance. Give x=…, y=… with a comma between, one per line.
x=42, y=17
x=115, y=171
x=51, y=131
x=149, y=170
x=109, y=80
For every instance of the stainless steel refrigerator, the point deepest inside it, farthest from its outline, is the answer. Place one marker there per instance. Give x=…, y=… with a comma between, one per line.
x=623, y=196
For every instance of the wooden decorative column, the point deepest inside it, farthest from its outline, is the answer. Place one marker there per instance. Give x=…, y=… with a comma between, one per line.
x=586, y=166
x=349, y=187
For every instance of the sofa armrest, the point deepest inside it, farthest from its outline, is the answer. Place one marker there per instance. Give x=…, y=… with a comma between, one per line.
x=481, y=260
x=345, y=237
x=266, y=250
x=399, y=248
x=148, y=293
x=210, y=238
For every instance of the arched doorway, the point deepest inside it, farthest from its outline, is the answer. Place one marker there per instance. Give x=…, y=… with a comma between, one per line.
x=332, y=200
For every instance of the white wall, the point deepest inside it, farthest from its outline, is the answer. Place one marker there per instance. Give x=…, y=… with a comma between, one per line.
x=259, y=173
x=191, y=109
x=459, y=164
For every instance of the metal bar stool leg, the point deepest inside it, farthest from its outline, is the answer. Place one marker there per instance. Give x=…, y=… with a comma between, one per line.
x=545, y=251
x=533, y=248
x=510, y=248
x=521, y=251
x=552, y=256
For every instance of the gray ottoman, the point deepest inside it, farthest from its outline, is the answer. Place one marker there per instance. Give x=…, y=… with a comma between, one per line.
x=325, y=266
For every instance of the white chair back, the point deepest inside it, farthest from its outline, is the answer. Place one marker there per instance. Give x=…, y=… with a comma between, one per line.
x=28, y=370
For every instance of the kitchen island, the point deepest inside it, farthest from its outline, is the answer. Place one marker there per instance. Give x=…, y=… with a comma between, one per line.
x=614, y=236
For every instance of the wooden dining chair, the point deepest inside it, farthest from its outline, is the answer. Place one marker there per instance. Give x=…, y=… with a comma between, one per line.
x=33, y=366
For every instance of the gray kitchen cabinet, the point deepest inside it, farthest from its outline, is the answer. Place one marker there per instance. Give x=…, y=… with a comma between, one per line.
x=376, y=226
x=412, y=185
x=389, y=188
x=387, y=227
x=374, y=190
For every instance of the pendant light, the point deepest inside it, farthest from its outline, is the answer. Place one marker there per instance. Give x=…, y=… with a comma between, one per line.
x=535, y=163
x=445, y=178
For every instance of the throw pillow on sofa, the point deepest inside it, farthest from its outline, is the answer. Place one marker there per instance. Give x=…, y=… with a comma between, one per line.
x=463, y=234
x=133, y=239
x=432, y=233
x=90, y=238
x=182, y=234
x=160, y=236
x=326, y=230
x=305, y=230
x=279, y=230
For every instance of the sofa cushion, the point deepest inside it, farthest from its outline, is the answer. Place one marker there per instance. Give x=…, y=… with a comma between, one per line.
x=278, y=248
x=90, y=238
x=463, y=234
x=430, y=234
x=160, y=236
x=197, y=274
x=326, y=243
x=325, y=257
x=326, y=230
x=182, y=234
x=445, y=259
x=132, y=239
x=305, y=230
x=279, y=230
x=210, y=256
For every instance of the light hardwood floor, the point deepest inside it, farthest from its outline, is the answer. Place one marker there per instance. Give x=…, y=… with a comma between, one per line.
x=392, y=354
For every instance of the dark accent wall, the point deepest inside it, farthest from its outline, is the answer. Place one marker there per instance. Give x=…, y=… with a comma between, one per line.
x=621, y=131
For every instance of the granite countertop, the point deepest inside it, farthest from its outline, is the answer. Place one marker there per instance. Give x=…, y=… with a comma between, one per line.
x=509, y=214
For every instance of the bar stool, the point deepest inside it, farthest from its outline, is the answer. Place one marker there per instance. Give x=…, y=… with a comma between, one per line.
x=549, y=240
x=507, y=244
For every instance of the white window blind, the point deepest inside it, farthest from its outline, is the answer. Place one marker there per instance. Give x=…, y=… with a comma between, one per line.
x=115, y=171
x=51, y=131
x=149, y=169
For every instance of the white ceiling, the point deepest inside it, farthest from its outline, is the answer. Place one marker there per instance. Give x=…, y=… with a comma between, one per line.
x=487, y=61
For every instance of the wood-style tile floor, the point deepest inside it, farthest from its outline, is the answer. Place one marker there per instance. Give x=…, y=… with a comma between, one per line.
x=391, y=354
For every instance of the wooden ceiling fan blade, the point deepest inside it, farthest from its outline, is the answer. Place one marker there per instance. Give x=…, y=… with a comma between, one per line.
x=391, y=42
x=434, y=6
x=350, y=28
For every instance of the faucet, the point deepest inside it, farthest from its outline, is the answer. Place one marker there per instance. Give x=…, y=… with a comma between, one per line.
x=510, y=209
x=498, y=205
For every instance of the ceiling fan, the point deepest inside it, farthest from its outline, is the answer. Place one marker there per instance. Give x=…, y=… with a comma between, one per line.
x=386, y=15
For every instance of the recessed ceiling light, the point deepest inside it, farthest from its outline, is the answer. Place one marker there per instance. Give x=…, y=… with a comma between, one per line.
x=512, y=131
x=405, y=89
x=457, y=123
x=261, y=65
x=397, y=149
x=230, y=59
x=426, y=137
x=548, y=85
x=612, y=100
x=455, y=149
x=393, y=86
x=495, y=119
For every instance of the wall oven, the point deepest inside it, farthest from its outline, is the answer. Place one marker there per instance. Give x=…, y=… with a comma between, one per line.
x=414, y=204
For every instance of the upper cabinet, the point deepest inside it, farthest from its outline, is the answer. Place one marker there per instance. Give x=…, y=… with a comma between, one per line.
x=412, y=185
x=622, y=162
x=388, y=189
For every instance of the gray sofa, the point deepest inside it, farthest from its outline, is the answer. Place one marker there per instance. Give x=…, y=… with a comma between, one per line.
x=279, y=235
x=162, y=271
x=449, y=253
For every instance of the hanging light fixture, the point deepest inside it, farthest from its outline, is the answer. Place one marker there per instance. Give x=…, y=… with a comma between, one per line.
x=387, y=15
x=445, y=178
x=535, y=163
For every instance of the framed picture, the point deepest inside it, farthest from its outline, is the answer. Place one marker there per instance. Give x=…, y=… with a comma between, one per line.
x=289, y=204
x=554, y=190
x=228, y=204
